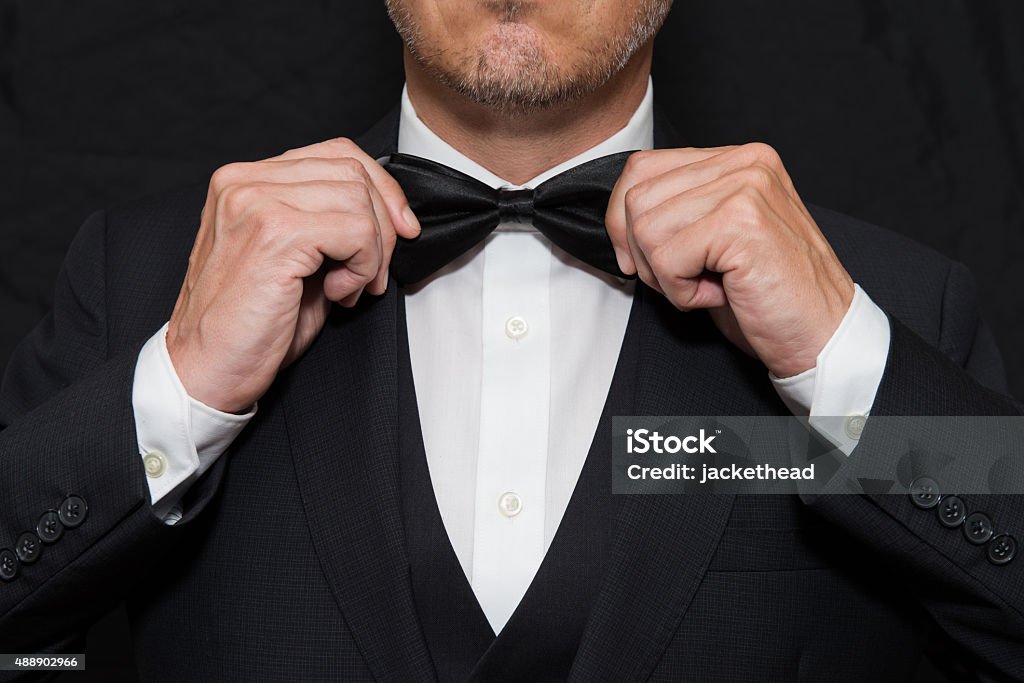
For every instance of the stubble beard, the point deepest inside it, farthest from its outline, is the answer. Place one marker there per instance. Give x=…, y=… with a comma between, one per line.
x=516, y=75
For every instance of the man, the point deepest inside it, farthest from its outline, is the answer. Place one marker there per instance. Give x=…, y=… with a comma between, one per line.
x=301, y=452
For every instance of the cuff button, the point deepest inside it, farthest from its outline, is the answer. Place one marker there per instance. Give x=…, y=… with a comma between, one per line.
x=855, y=426
x=28, y=548
x=978, y=528
x=924, y=492
x=155, y=463
x=8, y=564
x=72, y=511
x=1002, y=549
x=952, y=512
x=49, y=527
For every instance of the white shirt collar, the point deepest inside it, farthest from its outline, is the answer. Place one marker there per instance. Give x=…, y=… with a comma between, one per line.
x=415, y=138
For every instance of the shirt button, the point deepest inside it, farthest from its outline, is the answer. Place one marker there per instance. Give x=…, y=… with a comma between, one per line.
x=155, y=463
x=516, y=327
x=510, y=504
x=855, y=426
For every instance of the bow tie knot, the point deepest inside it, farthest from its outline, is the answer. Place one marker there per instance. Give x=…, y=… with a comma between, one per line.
x=457, y=211
x=515, y=206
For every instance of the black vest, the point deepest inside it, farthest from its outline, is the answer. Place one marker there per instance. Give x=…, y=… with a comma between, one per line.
x=540, y=640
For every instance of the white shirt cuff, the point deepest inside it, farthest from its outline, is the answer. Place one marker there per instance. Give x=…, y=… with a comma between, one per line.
x=179, y=437
x=838, y=392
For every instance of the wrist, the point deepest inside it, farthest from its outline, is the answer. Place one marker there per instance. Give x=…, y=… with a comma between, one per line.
x=806, y=356
x=190, y=374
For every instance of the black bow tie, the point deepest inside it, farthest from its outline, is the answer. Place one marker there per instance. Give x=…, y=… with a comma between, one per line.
x=457, y=211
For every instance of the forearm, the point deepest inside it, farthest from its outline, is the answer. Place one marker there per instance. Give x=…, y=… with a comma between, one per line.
x=940, y=564
x=79, y=443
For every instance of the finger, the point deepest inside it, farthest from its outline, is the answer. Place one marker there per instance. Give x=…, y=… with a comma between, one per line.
x=741, y=163
x=639, y=261
x=720, y=242
x=358, y=256
x=402, y=216
x=617, y=225
x=654, y=162
x=311, y=169
x=313, y=196
x=348, y=243
x=654, y=226
x=681, y=266
x=386, y=240
x=317, y=196
x=639, y=167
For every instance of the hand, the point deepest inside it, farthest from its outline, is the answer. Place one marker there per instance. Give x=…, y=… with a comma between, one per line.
x=278, y=241
x=723, y=229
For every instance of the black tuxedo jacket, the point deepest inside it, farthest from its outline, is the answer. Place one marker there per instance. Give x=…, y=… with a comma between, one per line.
x=312, y=550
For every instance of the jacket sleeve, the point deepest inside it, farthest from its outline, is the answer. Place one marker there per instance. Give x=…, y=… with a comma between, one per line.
x=76, y=525
x=975, y=602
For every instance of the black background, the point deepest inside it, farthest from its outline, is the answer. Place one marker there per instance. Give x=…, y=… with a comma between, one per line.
x=909, y=115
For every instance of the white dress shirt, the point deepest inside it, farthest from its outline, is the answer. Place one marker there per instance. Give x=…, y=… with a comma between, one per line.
x=513, y=346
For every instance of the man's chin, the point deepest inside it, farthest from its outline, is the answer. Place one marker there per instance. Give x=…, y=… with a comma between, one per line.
x=513, y=45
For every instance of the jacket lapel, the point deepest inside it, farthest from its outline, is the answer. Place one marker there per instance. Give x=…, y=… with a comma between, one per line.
x=341, y=408
x=662, y=545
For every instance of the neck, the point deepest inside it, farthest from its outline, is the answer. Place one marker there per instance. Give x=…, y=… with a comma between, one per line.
x=518, y=146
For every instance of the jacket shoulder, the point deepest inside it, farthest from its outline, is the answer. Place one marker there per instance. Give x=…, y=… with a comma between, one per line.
x=907, y=279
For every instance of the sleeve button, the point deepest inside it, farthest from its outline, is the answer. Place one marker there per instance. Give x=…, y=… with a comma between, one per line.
x=8, y=564
x=924, y=493
x=978, y=528
x=952, y=512
x=28, y=548
x=49, y=527
x=1002, y=549
x=72, y=511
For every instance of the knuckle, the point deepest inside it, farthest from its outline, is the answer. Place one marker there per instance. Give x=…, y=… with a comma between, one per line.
x=763, y=152
x=364, y=228
x=644, y=233
x=352, y=169
x=225, y=177
x=759, y=177
x=234, y=200
x=637, y=162
x=344, y=143
x=635, y=198
x=356, y=194
x=640, y=225
x=743, y=206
